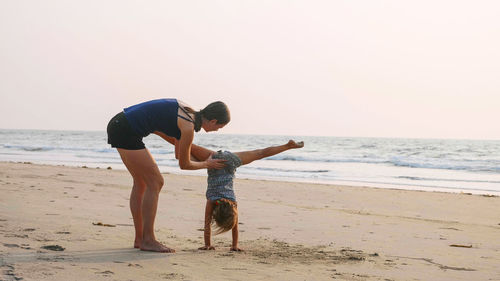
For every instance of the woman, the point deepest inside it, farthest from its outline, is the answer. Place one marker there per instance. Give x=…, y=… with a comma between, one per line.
x=167, y=118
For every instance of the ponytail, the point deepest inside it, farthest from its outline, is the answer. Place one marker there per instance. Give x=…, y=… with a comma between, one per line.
x=197, y=120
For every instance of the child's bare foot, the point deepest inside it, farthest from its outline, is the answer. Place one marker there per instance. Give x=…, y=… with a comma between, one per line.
x=236, y=249
x=155, y=246
x=293, y=144
x=206, y=248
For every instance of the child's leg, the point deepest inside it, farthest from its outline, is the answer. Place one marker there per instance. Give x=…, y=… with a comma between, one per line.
x=250, y=156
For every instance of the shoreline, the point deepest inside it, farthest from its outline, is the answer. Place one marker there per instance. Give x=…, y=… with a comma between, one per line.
x=297, y=231
x=345, y=183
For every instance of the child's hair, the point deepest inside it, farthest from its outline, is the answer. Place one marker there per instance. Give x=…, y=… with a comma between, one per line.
x=225, y=215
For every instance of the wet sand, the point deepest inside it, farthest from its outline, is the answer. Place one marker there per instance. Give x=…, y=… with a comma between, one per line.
x=67, y=223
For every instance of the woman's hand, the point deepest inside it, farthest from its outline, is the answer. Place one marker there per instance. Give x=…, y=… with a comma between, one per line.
x=215, y=163
x=206, y=248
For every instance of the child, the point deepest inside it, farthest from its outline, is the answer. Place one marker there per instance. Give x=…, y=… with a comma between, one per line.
x=221, y=207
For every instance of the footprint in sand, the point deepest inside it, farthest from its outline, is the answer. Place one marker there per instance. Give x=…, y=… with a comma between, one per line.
x=53, y=248
x=104, y=224
x=451, y=228
x=17, y=235
x=107, y=272
x=10, y=272
x=174, y=276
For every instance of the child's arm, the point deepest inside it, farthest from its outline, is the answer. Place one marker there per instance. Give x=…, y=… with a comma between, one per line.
x=250, y=156
x=208, y=230
x=234, y=247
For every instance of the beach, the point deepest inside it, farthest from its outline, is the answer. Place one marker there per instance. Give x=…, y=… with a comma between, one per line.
x=74, y=223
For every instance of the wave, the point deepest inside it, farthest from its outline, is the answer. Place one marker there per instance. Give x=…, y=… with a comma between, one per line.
x=101, y=150
x=286, y=170
x=423, y=163
x=446, y=180
x=365, y=159
x=479, y=166
x=423, y=186
x=29, y=148
x=442, y=163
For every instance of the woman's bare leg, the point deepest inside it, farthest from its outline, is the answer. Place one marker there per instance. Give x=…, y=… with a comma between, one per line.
x=136, y=197
x=144, y=197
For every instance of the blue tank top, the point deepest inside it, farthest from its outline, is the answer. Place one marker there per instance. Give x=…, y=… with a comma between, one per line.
x=155, y=115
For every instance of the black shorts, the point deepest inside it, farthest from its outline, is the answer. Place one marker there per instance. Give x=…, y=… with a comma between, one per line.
x=121, y=134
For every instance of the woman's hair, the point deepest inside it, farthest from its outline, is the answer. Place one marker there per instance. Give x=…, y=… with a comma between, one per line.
x=216, y=110
x=224, y=215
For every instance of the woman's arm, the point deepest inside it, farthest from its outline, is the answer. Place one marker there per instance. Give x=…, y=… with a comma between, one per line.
x=185, y=144
x=165, y=137
x=207, y=232
x=171, y=140
x=199, y=153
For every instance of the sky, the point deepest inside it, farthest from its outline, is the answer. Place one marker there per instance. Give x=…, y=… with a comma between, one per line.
x=411, y=69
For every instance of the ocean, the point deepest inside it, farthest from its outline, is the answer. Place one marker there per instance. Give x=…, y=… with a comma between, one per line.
x=468, y=166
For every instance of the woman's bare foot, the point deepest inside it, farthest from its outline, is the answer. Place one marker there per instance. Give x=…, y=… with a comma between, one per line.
x=155, y=246
x=137, y=242
x=293, y=144
x=236, y=249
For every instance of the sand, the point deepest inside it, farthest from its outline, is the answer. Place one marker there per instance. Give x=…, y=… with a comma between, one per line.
x=69, y=223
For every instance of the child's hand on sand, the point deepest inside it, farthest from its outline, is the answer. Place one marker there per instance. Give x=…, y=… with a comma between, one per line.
x=293, y=144
x=206, y=248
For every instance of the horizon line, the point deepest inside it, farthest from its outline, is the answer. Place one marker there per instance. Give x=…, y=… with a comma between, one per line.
x=283, y=135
